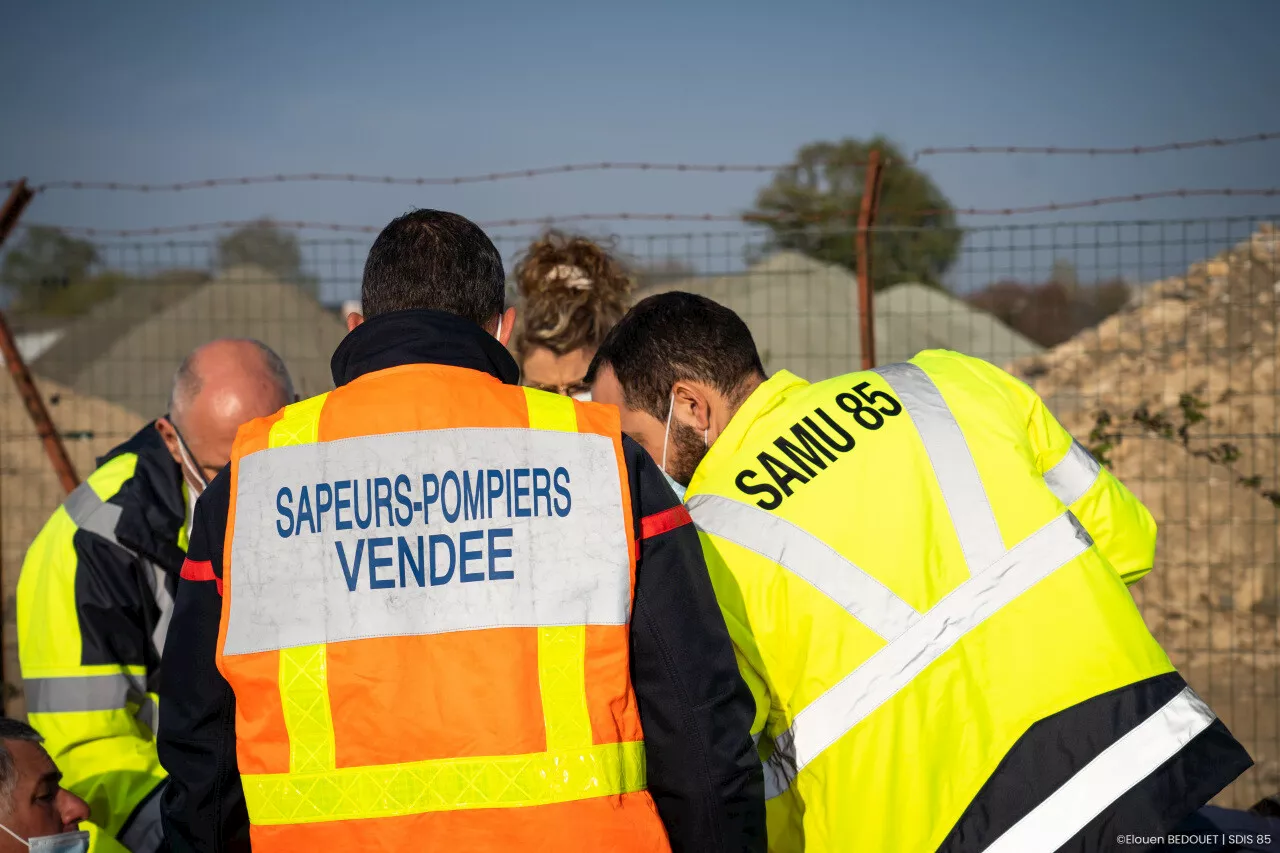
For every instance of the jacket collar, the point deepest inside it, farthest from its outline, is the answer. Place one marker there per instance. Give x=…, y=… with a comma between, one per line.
x=153, y=504
x=769, y=395
x=420, y=336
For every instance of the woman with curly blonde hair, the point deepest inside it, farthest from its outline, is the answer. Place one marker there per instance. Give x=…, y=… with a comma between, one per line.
x=573, y=291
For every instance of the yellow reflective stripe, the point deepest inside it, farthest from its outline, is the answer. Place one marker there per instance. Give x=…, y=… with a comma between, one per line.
x=550, y=411
x=446, y=784
x=304, y=670
x=562, y=676
x=304, y=695
x=184, y=541
x=562, y=651
x=299, y=424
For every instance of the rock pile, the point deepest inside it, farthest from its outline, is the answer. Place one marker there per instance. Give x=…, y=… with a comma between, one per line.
x=1180, y=391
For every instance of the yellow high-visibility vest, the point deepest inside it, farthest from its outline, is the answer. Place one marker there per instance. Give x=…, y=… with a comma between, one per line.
x=98, y=719
x=917, y=565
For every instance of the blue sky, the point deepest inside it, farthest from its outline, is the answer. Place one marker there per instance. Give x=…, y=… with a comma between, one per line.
x=156, y=91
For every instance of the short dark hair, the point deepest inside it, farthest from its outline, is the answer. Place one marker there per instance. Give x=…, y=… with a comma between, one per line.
x=437, y=260
x=675, y=336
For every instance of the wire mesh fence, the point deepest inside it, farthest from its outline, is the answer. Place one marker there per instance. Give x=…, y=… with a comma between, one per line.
x=1155, y=343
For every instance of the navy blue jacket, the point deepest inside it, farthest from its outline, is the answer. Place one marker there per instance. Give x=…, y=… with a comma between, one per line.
x=703, y=770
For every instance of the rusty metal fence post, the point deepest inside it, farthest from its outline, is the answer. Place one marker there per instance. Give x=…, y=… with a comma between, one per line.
x=57, y=453
x=866, y=219
x=17, y=202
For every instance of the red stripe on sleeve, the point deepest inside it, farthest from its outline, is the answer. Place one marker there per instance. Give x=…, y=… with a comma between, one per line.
x=661, y=522
x=200, y=571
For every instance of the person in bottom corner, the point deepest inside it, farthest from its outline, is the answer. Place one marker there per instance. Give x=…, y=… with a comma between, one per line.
x=36, y=812
x=573, y=291
x=925, y=579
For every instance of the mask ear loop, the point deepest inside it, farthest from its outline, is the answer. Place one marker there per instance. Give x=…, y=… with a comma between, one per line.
x=498, y=334
x=15, y=835
x=187, y=461
x=666, y=435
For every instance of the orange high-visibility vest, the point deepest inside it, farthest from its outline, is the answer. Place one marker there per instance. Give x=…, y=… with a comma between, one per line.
x=425, y=616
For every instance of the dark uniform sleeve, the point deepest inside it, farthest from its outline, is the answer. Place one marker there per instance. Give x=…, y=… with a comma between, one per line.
x=703, y=770
x=203, y=806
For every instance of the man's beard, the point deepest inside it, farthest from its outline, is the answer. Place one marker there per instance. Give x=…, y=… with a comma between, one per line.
x=685, y=452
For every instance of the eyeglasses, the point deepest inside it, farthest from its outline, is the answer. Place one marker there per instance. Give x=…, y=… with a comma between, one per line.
x=573, y=389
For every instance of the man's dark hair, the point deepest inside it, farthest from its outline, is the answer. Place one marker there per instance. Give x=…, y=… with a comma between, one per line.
x=675, y=336
x=437, y=260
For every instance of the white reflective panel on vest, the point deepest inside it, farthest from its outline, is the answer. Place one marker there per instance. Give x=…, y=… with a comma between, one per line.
x=1074, y=475
x=426, y=533
x=1106, y=778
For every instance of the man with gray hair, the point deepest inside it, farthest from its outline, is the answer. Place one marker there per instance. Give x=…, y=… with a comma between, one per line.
x=36, y=812
x=97, y=584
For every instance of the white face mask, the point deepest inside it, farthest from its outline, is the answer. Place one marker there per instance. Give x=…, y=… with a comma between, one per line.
x=192, y=497
x=65, y=842
x=190, y=466
x=196, y=483
x=666, y=439
x=675, y=486
x=582, y=396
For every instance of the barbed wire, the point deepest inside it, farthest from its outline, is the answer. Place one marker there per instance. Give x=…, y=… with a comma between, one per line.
x=1164, y=147
x=389, y=180
x=544, y=171
x=1051, y=207
x=745, y=218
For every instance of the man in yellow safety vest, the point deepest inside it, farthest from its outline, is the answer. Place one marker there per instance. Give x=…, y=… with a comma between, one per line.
x=925, y=580
x=95, y=595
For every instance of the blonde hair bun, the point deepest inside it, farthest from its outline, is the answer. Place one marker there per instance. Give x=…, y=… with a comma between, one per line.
x=574, y=291
x=569, y=276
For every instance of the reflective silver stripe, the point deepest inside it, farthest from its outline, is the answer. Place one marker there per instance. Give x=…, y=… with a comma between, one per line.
x=1106, y=778
x=93, y=514
x=149, y=714
x=1074, y=475
x=803, y=554
x=780, y=770
x=957, y=475
x=836, y=712
x=144, y=832
x=155, y=577
x=83, y=693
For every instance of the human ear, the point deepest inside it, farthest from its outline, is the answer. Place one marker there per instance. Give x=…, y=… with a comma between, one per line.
x=170, y=438
x=691, y=405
